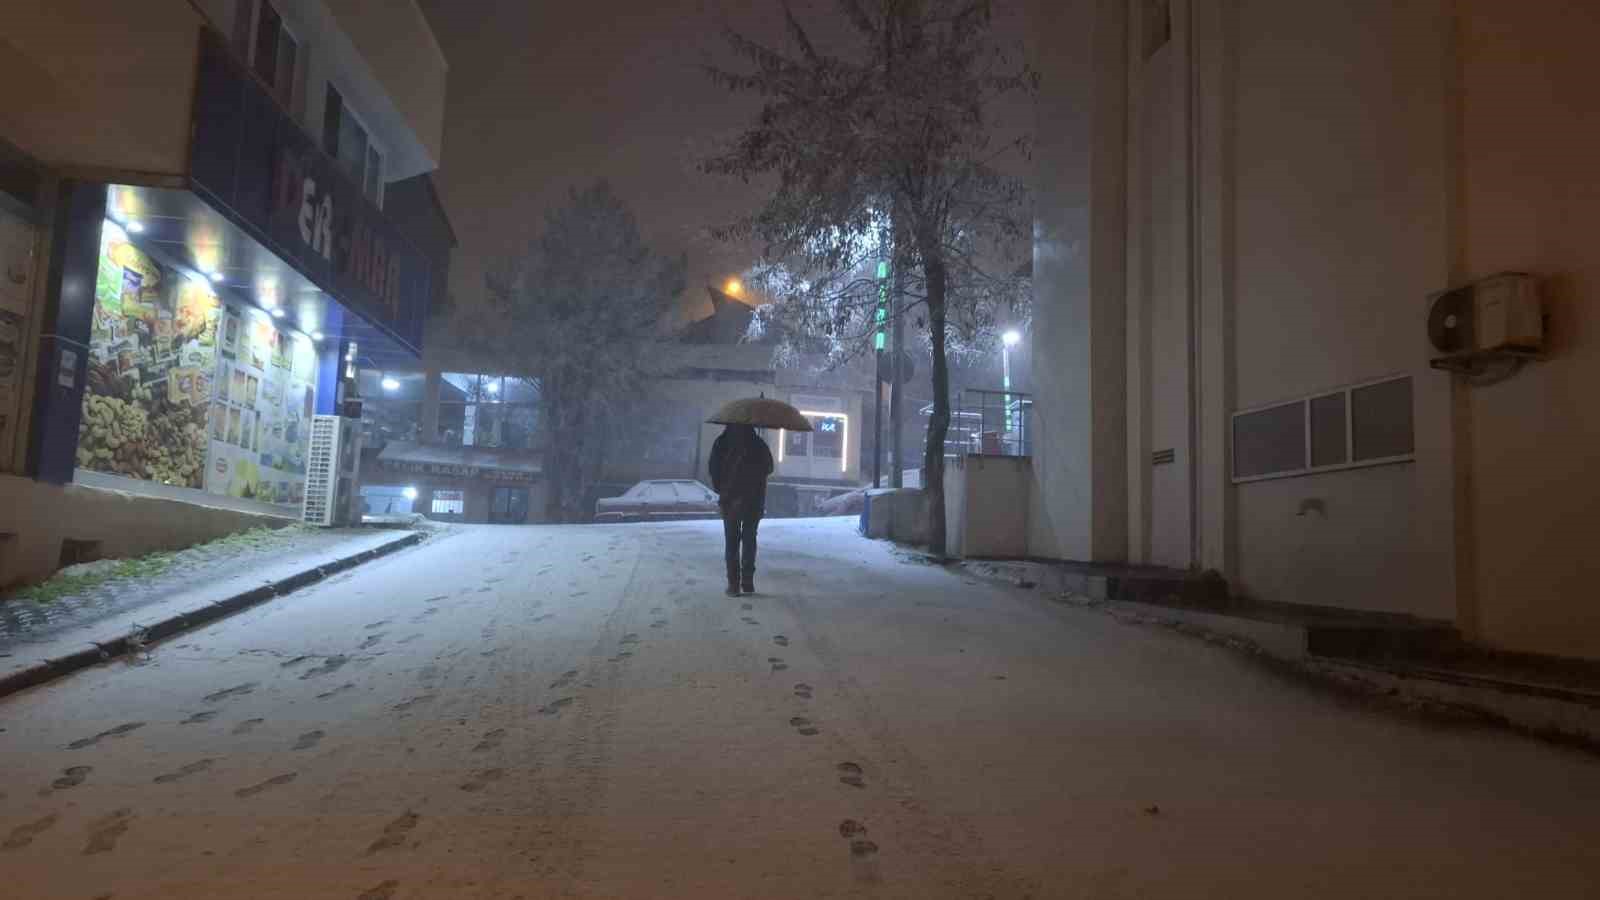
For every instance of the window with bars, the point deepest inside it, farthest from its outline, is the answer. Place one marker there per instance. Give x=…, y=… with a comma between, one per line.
x=449, y=503
x=1362, y=425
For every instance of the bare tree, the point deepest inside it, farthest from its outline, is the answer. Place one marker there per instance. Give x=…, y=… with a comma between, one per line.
x=580, y=312
x=883, y=148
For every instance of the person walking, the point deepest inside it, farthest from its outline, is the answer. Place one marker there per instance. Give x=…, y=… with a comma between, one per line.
x=740, y=465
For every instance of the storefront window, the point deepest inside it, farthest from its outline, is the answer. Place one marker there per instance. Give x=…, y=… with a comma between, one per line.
x=827, y=437
x=488, y=411
x=188, y=390
x=796, y=444
x=391, y=407
x=449, y=503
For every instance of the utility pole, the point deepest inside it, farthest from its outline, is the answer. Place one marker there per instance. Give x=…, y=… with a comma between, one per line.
x=879, y=321
x=898, y=342
x=896, y=14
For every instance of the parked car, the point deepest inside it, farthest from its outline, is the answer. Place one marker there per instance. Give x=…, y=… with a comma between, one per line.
x=654, y=501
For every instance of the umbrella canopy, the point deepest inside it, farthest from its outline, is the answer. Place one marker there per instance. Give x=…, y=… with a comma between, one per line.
x=761, y=413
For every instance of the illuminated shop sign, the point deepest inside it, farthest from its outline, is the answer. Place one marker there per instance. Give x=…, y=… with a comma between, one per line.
x=254, y=162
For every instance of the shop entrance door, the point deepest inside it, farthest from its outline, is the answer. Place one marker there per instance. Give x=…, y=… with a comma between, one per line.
x=508, y=506
x=819, y=453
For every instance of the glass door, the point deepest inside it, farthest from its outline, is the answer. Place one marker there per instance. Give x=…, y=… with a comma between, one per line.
x=509, y=506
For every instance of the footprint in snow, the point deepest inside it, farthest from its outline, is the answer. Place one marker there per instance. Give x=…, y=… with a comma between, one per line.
x=490, y=741
x=383, y=891
x=236, y=691
x=184, y=771
x=269, y=784
x=104, y=833
x=780, y=640
x=850, y=773
x=394, y=833
x=483, y=779
x=554, y=707
x=71, y=777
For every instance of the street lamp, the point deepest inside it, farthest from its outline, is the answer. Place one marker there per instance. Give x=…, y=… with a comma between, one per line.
x=1008, y=340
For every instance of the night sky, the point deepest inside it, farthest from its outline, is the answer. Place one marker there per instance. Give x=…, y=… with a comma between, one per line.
x=545, y=97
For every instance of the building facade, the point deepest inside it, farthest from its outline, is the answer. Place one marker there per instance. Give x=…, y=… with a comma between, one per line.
x=714, y=361
x=203, y=193
x=1246, y=211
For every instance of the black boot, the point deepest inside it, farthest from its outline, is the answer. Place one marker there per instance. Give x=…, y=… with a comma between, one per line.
x=733, y=589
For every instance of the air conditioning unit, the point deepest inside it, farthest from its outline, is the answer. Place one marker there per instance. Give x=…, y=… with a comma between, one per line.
x=333, y=465
x=1500, y=317
x=1507, y=315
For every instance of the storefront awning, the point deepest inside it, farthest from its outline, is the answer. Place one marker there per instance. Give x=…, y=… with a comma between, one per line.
x=487, y=463
x=189, y=231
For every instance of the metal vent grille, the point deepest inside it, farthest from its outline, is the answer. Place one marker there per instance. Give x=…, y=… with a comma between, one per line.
x=322, y=471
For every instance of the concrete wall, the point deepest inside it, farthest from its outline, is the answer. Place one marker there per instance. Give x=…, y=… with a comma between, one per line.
x=1530, y=133
x=1079, y=304
x=97, y=83
x=107, y=84
x=35, y=518
x=1300, y=178
x=987, y=506
x=1340, y=201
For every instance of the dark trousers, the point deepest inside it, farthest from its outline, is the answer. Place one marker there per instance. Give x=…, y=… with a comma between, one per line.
x=739, y=524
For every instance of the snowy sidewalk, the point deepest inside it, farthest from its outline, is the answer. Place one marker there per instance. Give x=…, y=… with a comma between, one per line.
x=77, y=621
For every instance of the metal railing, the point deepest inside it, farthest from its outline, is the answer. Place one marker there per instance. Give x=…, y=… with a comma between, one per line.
x=989, y=423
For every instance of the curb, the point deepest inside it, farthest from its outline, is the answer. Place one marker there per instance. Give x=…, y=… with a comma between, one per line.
x=1550, y=714
x=97, y=653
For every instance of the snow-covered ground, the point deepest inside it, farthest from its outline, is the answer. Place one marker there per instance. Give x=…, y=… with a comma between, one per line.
x=580, y=712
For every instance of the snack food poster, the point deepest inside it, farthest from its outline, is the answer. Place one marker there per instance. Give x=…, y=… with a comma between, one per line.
x=152, y=348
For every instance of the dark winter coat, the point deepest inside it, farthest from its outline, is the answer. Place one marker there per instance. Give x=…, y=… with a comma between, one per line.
x=739, y=468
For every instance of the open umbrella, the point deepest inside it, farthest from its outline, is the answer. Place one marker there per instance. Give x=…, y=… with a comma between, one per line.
x=761, y=413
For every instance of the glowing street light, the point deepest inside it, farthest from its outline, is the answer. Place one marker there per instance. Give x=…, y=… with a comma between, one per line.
x=734, y=287
x=1008, y=340
x=390, y=383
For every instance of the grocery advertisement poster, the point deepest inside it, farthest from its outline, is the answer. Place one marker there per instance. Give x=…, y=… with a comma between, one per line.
x=260, y=451
x=152, y=347
x=190, y=389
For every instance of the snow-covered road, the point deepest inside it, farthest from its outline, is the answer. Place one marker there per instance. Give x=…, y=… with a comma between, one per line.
x=580, y=712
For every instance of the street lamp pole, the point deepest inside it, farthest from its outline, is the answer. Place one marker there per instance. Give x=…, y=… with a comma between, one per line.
x=1007, y=341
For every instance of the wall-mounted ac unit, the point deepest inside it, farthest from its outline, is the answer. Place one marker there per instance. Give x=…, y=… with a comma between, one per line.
x=1497, y=318
x=332, y=468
